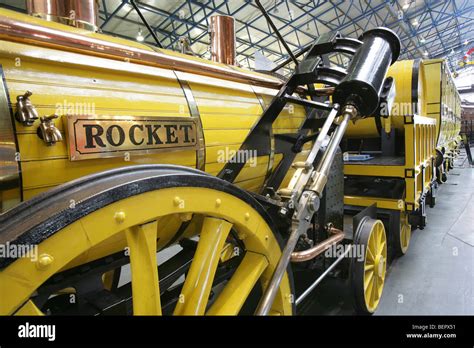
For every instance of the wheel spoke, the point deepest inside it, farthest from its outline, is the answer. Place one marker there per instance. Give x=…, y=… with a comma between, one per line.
x=235, y=293
x=145, y=287
x=382, y=245
x=374, y=292
x=368, y=280
x=197, y=286
x=375, y=247
x=379, y=290
x=370, y=257
x=368, y=267
x=369, y=291
x=378, y=240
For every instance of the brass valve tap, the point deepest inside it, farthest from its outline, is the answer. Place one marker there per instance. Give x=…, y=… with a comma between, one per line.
x=47, y=130
x=25, y=110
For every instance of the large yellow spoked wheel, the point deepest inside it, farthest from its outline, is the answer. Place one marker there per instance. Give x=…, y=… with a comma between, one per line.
x=402, y=238
x=368, y=274
x=144, y=240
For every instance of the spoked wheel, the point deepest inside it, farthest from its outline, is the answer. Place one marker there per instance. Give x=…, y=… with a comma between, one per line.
x=368, y=275
x=402, y=238
x=88, y=231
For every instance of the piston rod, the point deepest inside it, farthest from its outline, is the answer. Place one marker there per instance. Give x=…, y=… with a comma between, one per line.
x=322, y=170
x=321, y=277
x=304, y=212
x=272, y=288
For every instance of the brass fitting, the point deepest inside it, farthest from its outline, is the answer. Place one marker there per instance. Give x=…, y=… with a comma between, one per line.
x=352, y=111
x=25, y=110
x=48, y=131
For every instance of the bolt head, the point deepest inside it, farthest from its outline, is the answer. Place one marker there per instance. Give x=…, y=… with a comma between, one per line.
x=44, y=260
x=185, y=216
x=119, y=217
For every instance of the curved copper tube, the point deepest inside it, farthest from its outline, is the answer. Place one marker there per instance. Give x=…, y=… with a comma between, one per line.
x=25, y=32
x=318, y=249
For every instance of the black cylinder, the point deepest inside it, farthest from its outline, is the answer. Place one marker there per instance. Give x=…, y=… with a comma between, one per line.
x=366, y=73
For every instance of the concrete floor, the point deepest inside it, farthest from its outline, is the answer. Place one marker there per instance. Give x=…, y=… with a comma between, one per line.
x=436, y=276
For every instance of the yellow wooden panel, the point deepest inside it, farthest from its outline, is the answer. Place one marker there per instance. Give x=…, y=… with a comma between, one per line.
x=33, y=148
x=53, y=172
x=250, y=172
x=214, y=168
x=383, y=203
x=433, y=109
x=217, y=153
x=253, y=185
x=285, y=130
x=288, y=123
x=225, y=136
x=61, y=88
x=228, y=121
x=373, y=170
x=217, y=100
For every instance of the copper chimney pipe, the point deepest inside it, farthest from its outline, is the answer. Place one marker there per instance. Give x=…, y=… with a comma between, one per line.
x=77, y=13
x=222, y=30
x=318, y=249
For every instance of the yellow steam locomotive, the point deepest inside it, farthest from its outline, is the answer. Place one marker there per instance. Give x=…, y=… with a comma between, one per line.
x=137, y=180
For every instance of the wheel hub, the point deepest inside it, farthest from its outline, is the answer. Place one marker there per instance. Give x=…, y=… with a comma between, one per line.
x=379, y=265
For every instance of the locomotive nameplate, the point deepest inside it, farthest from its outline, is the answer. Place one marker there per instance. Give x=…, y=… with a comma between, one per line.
x=118, y=136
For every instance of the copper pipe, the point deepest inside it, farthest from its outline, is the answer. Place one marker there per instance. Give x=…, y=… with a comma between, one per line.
x=37, y=35
x=318, y=249
x=77, y=13
x=33, y=34
x=324, y=91
x=25, y=32
x=222, y=39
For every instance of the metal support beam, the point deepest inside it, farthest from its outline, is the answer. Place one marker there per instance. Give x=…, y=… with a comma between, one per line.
x=276, y=31
x=152, y=33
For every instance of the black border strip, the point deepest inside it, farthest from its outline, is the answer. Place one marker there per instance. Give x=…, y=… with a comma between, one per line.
x=415, y=73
